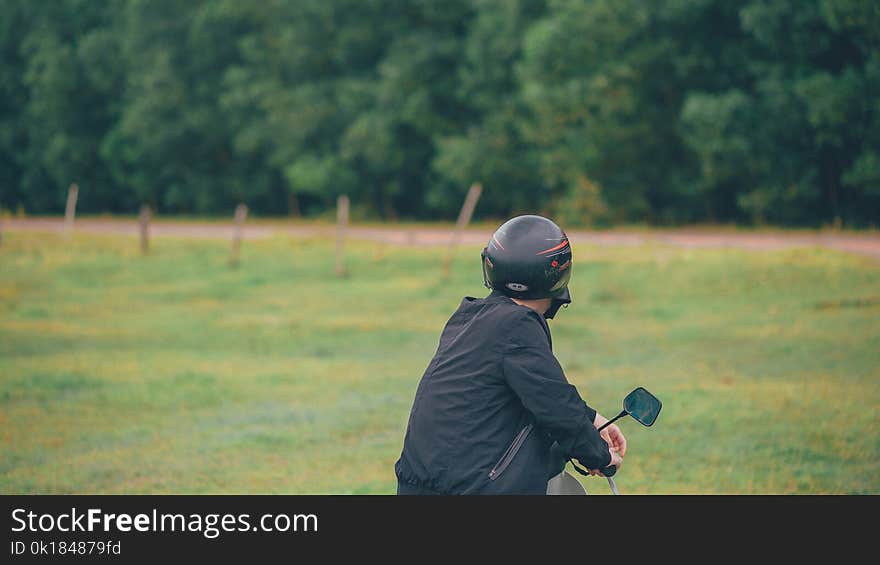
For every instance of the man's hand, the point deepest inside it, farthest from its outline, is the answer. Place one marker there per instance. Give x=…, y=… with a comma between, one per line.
x=614, y=438
x=611, y=434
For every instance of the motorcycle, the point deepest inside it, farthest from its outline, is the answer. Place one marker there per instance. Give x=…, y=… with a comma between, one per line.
x=644, y=408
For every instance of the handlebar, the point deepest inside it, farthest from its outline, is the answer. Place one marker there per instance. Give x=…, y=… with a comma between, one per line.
x=607, y=471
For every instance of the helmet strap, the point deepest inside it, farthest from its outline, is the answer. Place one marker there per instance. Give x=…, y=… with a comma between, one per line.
x=555, y=305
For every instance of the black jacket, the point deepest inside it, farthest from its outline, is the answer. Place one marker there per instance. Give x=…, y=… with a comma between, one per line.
x=491, y=404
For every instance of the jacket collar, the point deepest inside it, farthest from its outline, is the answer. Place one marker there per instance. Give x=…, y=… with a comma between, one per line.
x=496, y=296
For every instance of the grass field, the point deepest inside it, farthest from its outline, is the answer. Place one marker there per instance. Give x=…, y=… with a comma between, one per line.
x=172, y=373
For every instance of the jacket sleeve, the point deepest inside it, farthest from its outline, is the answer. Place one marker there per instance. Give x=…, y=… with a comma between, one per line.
x=532, y=371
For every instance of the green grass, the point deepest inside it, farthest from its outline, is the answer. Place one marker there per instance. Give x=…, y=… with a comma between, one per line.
x=172, y=373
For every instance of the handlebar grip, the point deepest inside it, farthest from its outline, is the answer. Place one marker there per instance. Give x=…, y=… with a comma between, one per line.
x=609, y=471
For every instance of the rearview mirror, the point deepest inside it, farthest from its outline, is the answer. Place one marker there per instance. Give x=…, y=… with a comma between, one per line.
x=643, y=406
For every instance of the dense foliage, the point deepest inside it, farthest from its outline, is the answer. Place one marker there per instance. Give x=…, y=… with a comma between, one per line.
x=594, y=111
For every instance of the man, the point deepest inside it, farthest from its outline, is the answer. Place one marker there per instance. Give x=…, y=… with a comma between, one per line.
x=494, y=413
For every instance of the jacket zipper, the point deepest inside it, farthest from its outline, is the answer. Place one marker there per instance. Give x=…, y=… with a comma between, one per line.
x=510, y=453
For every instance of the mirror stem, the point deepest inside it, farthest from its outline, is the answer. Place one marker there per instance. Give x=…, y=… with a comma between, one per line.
x=612, y=420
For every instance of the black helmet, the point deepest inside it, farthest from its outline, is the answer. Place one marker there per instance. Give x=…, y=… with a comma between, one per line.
x=529, y=257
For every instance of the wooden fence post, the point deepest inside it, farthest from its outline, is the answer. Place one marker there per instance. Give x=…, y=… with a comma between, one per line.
x=144, y=218
x=70, y=209
x=341, y=222
x=240, y=215
x=464, y=217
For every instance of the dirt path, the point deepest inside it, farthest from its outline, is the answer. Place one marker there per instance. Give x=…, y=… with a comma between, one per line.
x=867, y=244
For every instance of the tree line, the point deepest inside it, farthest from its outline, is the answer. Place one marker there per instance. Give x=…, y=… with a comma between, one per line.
x=593, y=111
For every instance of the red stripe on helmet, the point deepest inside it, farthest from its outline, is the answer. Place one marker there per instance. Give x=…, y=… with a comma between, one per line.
x=495, y=239
x=560, y=246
